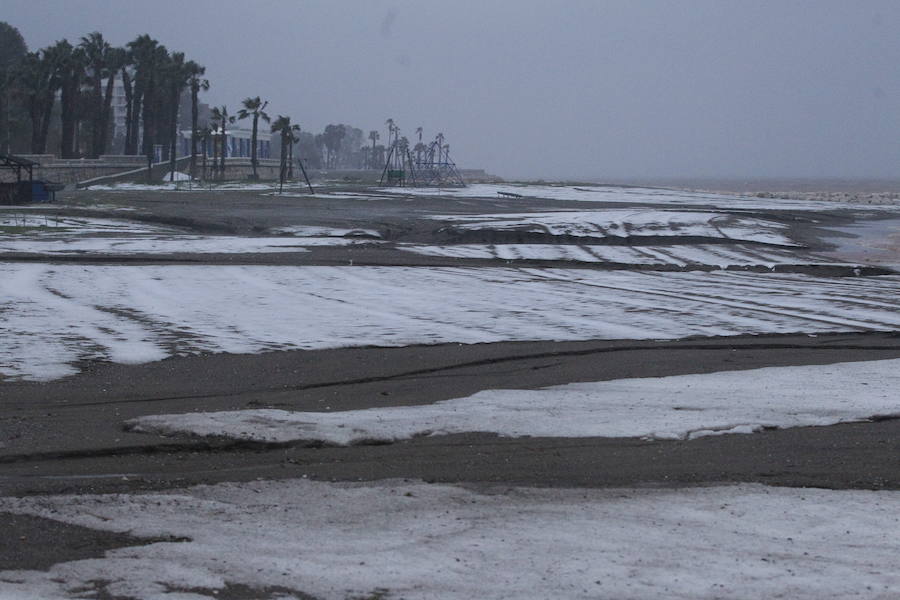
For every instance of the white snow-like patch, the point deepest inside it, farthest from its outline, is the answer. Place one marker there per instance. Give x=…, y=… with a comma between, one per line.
x=628, y=223
x=58, y=235
x=675, y=407
x=172, y=245
x=326, y=195
x=328, y=232
x=185, y=184
x=56, y=315
x=417, y=541
x=617, y=194
x=717, y=255
x=180, y=185
x=141, y=187
x=49, y=225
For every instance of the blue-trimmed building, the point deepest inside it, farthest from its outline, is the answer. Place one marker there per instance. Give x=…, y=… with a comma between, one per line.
x=237, y=144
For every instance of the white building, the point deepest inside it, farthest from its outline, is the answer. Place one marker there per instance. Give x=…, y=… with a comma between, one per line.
x=238, y=143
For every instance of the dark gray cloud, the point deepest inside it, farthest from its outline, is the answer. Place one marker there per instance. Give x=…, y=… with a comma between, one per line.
x=576, y=89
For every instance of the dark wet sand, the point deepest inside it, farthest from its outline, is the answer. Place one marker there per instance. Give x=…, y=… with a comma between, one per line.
x=68, y=435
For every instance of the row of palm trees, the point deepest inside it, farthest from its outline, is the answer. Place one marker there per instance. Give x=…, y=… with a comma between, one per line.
x=216, y=134
x=83, y=77
x=153, y=79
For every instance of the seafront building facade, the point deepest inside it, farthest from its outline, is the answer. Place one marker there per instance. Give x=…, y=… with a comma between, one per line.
x=238, y=140
x=238, y=144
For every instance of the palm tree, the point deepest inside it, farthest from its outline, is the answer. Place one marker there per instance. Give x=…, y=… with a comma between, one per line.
x=38, y=79
x=140, y=51
x=12, y=52
x=96, y=51
x=102, y=61
x=178, y=75
x=419, y=148
x=280, y=126
x=156, y=94
x=148, y=58
x=390, y=125
x=332, y=138
x=196, y=83
x=365, y=150
x=288, y=132
x=71, y=68
x=379, y=157
x=220, y=116
x=254, y=107
x=439, y=138
x=128, y=87
x=374, y=136
x=203, y=136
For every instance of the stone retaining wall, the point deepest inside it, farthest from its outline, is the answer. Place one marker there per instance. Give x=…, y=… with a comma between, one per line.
x=117, y=168
x=73, y=170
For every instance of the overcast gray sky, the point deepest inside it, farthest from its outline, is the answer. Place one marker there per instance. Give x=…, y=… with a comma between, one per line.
x=567, y=89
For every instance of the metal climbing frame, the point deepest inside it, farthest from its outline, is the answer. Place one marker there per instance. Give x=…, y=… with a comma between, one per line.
x=431, y=168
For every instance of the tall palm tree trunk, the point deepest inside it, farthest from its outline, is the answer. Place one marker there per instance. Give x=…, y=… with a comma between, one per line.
x=129, y=100
x=283, y=165
x=106, y=114
x=194, y=119
x=224, y=152
x=253, y=145
x=67, y=117
x=291, y=157
x=96, y=113
x=136, y=108
x=175, y=101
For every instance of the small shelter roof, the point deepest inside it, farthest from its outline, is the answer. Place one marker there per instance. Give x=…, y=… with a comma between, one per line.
x=18, y=164
x=8, y=160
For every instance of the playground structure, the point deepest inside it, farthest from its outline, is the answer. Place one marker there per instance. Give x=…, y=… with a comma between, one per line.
x=426, y=166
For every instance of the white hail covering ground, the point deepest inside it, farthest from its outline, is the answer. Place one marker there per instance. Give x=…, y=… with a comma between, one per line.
x=173, y=245
x=715, y=255
x=325, y=195
x=400, y=539
x=71, y=235
x=50, y=225
x=328, y=232
x=607, y=193
x=184, y=185
x=627, y=223
x=57, y=315
x=677, y=407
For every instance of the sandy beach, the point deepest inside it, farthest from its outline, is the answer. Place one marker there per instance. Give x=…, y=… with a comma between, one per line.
x=158, y=340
